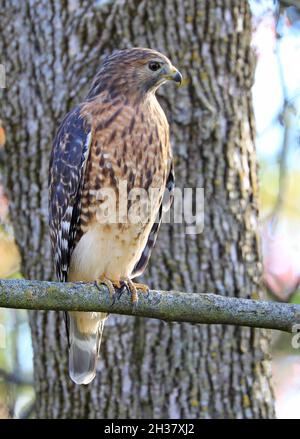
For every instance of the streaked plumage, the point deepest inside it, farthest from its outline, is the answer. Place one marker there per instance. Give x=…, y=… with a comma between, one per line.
x=118, y=134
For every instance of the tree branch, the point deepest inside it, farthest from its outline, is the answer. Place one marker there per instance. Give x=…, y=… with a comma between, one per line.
x=166, y=305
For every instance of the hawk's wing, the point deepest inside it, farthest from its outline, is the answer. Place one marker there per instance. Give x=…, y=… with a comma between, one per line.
x=164, y=207
x=67, y=163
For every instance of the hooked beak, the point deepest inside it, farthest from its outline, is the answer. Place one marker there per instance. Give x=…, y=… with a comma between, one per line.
x=174, y=75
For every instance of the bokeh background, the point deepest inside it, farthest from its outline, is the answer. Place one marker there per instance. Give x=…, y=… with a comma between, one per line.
x=276, y=99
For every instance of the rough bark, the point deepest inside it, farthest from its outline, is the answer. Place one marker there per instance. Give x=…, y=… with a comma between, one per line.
x=148, y=368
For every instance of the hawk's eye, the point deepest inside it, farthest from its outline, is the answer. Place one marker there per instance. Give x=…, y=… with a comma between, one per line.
x=154, y=66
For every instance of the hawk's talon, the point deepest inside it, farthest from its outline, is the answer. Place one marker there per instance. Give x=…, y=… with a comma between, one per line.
x=117, y=287
x=142, y=287
x=120, y=292
x=110, y=284
x=98, y=285
x=133, y=288
x=125, y=287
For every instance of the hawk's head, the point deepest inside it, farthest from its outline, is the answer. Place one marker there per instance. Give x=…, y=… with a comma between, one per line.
x=134, y=70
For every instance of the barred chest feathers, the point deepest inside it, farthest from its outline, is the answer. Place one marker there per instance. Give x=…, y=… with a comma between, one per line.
x=129, y=150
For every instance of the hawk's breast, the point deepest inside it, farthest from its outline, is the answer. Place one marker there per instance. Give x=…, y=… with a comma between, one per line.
x=124, y=183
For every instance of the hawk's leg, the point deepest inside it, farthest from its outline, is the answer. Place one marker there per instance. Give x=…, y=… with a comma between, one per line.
x=133, y=288
x=111, y=284
x=126, y=282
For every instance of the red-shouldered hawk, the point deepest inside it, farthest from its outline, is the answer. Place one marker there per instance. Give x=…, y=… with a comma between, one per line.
x=118, y=134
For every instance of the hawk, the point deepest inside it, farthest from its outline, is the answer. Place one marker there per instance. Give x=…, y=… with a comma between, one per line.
x=118, y=135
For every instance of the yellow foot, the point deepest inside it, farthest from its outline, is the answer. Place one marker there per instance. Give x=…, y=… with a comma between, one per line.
x=111, y=284
x=134, y=287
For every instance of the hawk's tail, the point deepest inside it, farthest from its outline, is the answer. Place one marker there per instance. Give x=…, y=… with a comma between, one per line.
x=84, y=332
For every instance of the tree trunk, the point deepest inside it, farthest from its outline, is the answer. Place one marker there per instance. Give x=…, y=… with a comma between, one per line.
x=147, y=368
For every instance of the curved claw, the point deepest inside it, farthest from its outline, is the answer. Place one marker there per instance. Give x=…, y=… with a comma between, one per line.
x=117, y=288
x=133, y=288
x=112, y=285
x=118, y=294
